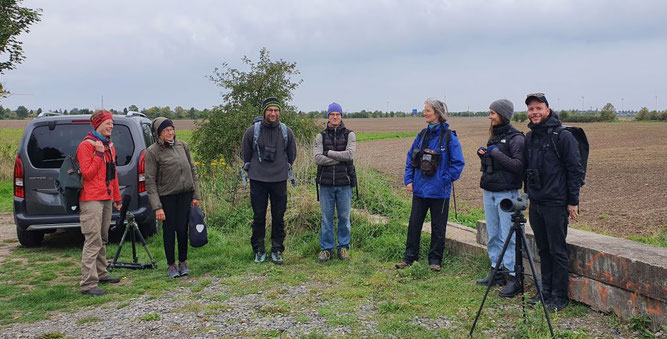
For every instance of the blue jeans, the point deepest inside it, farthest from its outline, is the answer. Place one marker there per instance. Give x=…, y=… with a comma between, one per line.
x=498, y=224
x=339, y=198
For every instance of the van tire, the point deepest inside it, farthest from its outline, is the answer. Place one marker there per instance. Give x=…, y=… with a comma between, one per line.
x=148, y=228
x=29, y=238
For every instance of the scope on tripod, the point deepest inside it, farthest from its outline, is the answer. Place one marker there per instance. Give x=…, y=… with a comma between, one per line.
x=514, y=205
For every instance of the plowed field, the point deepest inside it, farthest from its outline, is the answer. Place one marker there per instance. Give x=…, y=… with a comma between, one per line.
x=626, y=183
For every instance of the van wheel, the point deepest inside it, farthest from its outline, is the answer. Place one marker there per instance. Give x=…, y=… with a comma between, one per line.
x=29, y=238
x=149, y=228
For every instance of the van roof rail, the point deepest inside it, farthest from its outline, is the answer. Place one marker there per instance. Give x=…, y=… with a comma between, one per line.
x=135, y=114
x=49, y=114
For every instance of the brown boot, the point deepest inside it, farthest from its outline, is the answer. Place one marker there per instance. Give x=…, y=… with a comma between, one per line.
x=401, y=265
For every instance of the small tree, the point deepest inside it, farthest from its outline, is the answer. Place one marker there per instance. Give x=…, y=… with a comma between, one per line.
x=642, y=114
x=221, y=132
x=608, y=112
x=22, y=112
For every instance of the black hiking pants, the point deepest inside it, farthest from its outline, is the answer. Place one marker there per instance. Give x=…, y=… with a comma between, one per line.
x=549, y=224
x=176, y=209
x=260, y=194
x=439, y=213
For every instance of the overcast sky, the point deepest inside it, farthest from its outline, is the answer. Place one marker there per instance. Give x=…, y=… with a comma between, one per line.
x=370, y=54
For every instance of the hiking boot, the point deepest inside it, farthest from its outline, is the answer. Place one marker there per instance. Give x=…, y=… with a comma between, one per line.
x=95, y=291
x=434, y=267
x=277, y=258
x=343, y=254
x=324, y=256
x=183, y=268
x=260, y=257
x=109, y=279
x=498, y=280
x=403, y=264
x=512, y=288
x=536, y=298
x=556, y=304
x=172, y=272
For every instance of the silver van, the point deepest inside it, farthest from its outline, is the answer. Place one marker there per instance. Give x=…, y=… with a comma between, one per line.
x=46, y=140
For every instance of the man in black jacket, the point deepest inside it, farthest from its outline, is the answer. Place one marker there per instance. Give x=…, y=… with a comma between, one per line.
x=268, y=152
x=554, y=175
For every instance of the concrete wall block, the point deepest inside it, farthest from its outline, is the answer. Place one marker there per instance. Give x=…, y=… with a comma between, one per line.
x=623, y=303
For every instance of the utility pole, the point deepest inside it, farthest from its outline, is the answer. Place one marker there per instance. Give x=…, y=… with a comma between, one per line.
x=622, y=105
x=582, y=103
x=102, y=101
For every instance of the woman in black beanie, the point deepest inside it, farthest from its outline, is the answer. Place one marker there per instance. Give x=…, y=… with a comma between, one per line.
x=172, y=186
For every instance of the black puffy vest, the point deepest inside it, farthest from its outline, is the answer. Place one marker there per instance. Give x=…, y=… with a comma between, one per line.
x=341, y=174
x=495, y=177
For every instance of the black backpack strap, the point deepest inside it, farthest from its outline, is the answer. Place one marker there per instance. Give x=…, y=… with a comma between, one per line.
x=421, y=136
x=552, y=132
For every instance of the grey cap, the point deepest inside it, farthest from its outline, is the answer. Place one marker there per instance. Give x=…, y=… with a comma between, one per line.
x=503, y=107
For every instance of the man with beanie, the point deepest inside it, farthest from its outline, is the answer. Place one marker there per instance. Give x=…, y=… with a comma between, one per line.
x=334, y=153
x=502, y=176
x=554, y=174
x=268, y=152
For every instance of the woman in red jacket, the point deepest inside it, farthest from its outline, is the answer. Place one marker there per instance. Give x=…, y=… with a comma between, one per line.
x=97, y=159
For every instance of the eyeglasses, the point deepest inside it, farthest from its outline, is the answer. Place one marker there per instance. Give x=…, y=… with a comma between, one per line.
x=271, y=110
x=336, y=114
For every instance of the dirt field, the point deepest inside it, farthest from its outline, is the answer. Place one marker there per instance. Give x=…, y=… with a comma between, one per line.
x=626, y=183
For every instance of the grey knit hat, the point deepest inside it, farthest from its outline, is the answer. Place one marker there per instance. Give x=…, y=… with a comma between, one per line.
x=504, y=108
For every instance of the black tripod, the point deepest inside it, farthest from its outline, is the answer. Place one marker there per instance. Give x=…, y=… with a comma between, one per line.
x=134, y=232
x=518, y=222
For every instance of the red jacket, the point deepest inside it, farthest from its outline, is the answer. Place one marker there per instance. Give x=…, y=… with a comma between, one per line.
x=93, y=172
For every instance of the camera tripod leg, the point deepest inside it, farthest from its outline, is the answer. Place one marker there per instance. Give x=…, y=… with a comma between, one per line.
x=112, y=265
x=143, y=243
x=495, y=271
x=537, y=285
x=135, y=259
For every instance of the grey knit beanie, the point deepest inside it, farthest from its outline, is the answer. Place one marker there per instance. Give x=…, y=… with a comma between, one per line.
x=503, y=107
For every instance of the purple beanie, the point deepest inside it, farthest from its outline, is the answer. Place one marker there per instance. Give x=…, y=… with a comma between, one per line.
x=334, y=107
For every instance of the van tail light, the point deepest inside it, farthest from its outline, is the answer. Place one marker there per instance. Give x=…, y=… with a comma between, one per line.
x=19, y=190
x=141, y=170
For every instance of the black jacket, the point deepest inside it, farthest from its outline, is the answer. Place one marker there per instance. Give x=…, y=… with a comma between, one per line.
x=503, y=167
x=560, y=178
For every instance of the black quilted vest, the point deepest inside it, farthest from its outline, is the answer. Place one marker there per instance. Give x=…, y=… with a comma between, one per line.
x=341, y=174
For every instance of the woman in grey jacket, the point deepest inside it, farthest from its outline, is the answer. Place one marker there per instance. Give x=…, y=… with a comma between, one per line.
x=172, y=186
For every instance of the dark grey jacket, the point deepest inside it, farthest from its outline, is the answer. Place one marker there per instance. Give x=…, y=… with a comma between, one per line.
x=269, y=137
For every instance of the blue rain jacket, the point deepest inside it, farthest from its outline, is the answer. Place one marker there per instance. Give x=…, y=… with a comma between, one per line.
x=438, y=185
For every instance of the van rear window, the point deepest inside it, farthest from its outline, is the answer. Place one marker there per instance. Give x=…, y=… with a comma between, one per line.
x=47, y=147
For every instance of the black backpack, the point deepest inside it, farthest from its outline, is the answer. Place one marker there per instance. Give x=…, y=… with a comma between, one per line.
x=69, y=184
x=582, y=142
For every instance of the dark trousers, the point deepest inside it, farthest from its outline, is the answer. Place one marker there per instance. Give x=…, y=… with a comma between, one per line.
x=177, y=213
x=549, y=223
x=260, y=193
x=439, y=213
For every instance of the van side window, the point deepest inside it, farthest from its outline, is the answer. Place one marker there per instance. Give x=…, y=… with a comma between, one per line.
x=148, y=134
x=47, y=148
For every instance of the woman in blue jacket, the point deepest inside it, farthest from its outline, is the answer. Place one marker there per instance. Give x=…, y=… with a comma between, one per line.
x=434, y=162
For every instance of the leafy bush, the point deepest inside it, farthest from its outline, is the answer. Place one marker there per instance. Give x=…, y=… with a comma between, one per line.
x=221, y=132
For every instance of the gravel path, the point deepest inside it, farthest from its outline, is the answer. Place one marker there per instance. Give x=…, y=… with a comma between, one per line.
x=210, y=313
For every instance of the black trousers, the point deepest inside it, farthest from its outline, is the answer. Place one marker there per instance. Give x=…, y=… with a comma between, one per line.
x=260, y=194
x=439, y=213
x=549, y=223
x=177, y=213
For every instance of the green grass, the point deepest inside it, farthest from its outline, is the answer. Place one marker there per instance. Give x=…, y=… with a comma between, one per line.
x=381, y=136
x=659, y=238
x=6, y=196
